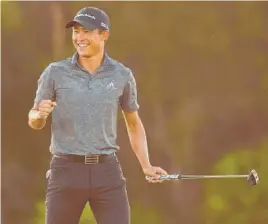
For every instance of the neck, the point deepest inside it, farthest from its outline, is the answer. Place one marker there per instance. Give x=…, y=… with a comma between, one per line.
x=92, y=63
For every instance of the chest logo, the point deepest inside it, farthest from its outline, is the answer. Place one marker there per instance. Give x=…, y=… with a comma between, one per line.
x=111, y=86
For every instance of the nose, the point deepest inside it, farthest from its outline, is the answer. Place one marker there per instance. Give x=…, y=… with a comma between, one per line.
x=79, y=35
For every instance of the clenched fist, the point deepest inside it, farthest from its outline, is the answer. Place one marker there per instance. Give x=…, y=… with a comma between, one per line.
x=44, y=108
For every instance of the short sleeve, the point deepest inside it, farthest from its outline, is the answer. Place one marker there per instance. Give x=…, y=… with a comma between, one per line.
x=128, y=100
x=45, y=86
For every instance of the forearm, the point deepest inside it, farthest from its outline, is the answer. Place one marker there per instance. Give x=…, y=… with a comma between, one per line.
x=34, y=122
x=138, y=143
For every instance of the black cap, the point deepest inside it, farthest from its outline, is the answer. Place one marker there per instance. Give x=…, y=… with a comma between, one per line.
x=91, y=18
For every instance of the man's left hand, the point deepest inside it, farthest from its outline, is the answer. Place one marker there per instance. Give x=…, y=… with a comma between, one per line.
x=154, y=172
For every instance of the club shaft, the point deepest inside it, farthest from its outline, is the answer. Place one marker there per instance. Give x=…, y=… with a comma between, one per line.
x=212, y=176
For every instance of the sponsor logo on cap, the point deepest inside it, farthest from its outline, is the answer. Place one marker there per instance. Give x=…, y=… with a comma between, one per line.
x=104, y=25
x=87, y=15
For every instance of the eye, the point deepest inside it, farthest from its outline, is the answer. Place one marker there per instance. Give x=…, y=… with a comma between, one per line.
x=89, y=32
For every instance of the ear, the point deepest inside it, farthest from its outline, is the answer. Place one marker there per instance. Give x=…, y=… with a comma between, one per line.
x=105, y=35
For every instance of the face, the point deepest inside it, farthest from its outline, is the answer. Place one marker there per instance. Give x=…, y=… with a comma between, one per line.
x=88, y=43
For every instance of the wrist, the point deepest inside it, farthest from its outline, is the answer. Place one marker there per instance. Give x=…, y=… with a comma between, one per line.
x=146, y=166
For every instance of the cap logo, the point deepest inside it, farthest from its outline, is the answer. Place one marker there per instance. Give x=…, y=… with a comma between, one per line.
x=104, y=25
x=87, y=15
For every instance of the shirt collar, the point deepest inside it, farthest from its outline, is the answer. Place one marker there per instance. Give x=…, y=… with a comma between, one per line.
x=106, y=61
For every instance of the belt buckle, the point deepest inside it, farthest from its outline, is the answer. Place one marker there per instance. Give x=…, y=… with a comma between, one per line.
x=93, y=159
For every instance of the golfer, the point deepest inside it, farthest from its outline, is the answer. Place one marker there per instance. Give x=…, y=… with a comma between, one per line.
x=83, y=94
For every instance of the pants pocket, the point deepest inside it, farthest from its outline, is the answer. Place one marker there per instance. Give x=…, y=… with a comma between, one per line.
x=57, y=174
x=107, y=175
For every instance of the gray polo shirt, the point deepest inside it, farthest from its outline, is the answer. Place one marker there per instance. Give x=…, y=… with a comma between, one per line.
x=85, y=118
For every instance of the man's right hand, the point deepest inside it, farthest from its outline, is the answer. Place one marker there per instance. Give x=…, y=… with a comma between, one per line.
x=44, y=108
x=38, y=114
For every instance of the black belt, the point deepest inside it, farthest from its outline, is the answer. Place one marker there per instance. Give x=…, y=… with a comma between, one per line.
x=90, y=159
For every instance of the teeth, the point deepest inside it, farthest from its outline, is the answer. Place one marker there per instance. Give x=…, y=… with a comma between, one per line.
x=82, y=45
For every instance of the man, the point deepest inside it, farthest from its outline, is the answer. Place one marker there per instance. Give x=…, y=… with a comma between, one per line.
x=83, y=93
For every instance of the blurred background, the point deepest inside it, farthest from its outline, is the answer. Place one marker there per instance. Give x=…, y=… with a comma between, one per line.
x=201, y=70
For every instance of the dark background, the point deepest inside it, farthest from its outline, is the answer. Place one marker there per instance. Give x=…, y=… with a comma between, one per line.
x=201, y=70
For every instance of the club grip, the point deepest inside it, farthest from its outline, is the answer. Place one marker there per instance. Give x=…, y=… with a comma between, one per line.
x=170, y=177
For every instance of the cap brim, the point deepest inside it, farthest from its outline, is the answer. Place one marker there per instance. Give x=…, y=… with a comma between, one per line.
x=87, y=25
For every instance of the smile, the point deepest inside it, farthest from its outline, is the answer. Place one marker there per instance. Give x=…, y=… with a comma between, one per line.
x=82, y=45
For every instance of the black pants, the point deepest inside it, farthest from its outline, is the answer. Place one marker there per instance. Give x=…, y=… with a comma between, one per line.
x=70, y=185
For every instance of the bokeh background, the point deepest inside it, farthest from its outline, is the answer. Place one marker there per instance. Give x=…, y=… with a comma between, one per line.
x=201, y=70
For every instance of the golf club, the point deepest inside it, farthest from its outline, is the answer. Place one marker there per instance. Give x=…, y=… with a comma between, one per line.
x=252, y=177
